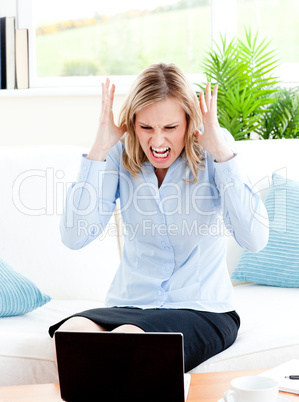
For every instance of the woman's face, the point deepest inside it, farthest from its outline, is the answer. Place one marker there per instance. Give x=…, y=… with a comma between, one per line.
x=161, y=129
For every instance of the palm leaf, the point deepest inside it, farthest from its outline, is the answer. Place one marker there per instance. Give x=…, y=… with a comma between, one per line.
x=246, y=88
x=282, y=117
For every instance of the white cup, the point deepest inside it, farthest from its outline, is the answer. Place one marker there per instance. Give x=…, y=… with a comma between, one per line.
x=252, y=389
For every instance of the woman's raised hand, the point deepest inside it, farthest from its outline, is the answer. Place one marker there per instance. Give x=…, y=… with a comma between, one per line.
x=108, y=133
x=212, y=139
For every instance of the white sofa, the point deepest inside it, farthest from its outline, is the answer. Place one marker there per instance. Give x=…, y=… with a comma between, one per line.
x=33, y=184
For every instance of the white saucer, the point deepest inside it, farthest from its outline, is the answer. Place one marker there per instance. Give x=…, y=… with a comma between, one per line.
x=279, y=399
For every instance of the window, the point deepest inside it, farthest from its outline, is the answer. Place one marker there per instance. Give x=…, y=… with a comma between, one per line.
x=73, y=42
x=119, y=38
x=92, y=38
x=278, y=21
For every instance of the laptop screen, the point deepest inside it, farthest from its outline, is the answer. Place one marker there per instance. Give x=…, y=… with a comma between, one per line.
x=111, y=366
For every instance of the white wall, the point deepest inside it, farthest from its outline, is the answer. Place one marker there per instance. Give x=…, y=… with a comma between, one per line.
x=7, y=8
x=42, y=120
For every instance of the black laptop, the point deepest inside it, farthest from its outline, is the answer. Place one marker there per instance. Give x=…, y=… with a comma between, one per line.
x=111, y=366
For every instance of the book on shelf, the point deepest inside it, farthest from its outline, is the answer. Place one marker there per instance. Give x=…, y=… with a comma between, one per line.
x=8, y=67
x=281, y=372
x=22, y=70
x=2, y=55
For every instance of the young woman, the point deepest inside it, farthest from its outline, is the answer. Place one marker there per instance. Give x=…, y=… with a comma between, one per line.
x=181, y=190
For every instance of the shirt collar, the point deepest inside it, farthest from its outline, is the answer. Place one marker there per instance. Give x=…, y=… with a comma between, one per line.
x=148, y=170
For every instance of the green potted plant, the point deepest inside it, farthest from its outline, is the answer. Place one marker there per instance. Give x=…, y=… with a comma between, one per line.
x=246, y=87
x=282, y=115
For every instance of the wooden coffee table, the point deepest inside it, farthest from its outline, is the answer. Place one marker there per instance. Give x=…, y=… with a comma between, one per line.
x=209, y=387
x=206, y=387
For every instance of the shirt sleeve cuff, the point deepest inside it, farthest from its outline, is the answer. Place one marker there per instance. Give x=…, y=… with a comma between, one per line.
x=89, y=169
x=230, y=173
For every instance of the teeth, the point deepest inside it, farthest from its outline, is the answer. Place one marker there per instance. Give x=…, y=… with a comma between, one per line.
x=160, y=149
x=162, y=153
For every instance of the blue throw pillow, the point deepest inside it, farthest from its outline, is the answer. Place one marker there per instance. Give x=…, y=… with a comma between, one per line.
x=18, y=295
x=278, y=263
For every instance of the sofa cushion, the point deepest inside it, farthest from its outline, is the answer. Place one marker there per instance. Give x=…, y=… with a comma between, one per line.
x=269, y=331
x=268, y=335
x=33, y=183
x=18, y=295
x=26, y=349
x=259, y=160
x=278, y=263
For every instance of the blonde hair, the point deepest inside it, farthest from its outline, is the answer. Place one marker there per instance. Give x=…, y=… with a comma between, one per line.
x=154, y=84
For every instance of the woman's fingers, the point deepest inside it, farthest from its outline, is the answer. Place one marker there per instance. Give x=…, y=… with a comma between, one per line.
x=208, y=101
x=208, y=95
x=107, y=98
x=111, y=96
x=214, y=96
x=202, y=103
x=105, y=85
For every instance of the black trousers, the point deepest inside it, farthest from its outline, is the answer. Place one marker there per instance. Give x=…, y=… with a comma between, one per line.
x=205, y=333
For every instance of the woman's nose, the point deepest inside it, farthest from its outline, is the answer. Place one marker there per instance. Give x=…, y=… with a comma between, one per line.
x=159, y=138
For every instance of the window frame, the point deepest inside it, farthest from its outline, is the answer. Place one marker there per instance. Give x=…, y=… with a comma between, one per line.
x=25, y=19
x=223, y=19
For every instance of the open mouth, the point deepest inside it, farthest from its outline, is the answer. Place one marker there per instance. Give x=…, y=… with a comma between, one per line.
x=160, y=152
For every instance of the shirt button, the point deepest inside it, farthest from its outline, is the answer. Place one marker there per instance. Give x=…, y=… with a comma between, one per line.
x=161, y=218
x=167, y=268
x=84, y=167
x=226, y=171
x=159, y=293
x=229, y=180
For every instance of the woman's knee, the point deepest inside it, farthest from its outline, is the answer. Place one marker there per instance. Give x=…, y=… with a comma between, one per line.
x=80, y=324
x=128, y=328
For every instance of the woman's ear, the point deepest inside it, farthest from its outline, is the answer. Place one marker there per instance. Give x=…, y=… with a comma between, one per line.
x=197, y=133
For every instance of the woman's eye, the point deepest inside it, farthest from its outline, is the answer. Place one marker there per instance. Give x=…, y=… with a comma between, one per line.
x=170, y=127
x=145, y=128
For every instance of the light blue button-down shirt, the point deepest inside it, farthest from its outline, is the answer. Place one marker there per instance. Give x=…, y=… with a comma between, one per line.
x=174, y=253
